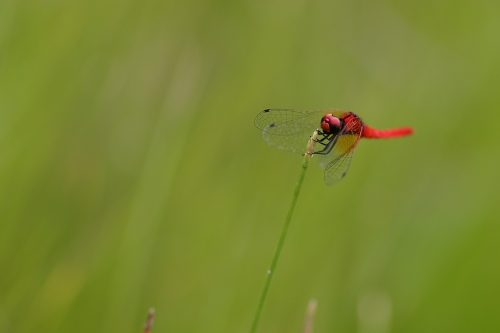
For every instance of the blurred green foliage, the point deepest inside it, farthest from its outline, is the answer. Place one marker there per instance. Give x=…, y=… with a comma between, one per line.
x=131, y=174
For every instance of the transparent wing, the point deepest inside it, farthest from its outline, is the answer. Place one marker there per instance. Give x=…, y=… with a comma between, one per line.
x=290, y=129
x=338, y=160
x=337, y=170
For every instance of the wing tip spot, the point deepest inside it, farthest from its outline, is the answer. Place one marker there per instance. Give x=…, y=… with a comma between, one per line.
x=266, y=110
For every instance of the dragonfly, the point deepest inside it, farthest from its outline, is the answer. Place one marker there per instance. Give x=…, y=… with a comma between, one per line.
x=338, y=133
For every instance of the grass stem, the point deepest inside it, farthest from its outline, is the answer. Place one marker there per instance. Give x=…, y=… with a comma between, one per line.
x=284, y=230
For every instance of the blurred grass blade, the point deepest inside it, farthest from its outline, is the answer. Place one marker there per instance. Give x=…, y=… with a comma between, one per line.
x=309, y=321
x=149, y=321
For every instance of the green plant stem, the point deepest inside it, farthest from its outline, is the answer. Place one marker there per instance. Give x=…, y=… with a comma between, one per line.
x=281, y=241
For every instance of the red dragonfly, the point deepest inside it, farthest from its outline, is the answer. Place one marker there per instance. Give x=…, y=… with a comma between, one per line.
x=338, y=134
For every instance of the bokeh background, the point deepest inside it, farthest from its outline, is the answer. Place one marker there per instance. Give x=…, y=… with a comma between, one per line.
x=132, y=176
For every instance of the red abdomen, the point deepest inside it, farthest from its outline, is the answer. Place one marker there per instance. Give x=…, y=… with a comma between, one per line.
x=373, y=133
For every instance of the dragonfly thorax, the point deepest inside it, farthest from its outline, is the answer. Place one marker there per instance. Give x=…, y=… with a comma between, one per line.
x=330, y=124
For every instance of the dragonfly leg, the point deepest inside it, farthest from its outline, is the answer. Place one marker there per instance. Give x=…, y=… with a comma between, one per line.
x=328, y=146
x=325, y=137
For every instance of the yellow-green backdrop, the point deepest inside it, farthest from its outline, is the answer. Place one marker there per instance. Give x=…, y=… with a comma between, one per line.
x=132, y=176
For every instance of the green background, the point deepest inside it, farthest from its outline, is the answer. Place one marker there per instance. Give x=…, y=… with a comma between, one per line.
x=132, y=176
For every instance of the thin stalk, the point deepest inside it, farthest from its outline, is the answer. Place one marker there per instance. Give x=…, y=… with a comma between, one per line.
x=284, y=230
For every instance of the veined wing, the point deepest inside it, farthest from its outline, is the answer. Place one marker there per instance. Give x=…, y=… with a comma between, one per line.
x=290, y=129
x=337, y=170
x=337, y=162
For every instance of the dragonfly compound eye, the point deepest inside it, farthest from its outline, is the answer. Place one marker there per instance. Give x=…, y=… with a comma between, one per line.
x=330, y=124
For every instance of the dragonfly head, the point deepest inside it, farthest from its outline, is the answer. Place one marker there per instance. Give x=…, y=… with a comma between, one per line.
x=330, y=124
